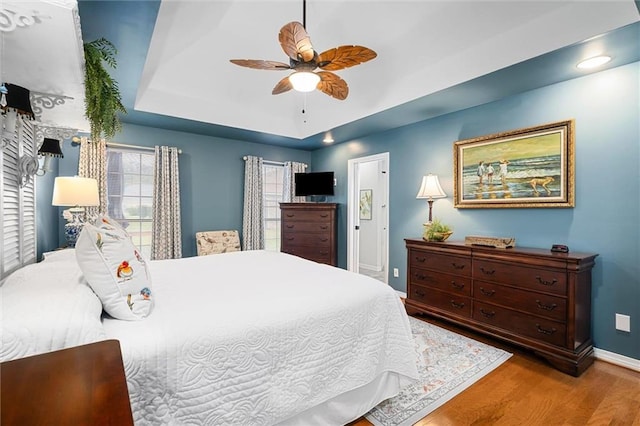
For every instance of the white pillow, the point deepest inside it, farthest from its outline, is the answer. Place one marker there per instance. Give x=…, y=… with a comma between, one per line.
x=115, y=269
x=48, y=306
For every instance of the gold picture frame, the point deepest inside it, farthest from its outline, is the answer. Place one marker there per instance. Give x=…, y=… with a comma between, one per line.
x=531, y=167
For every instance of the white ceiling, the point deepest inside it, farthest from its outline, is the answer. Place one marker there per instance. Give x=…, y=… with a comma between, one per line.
x=42, y=51
x=423, y=47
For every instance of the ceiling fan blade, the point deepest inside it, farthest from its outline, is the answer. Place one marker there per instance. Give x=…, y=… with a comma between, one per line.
x=344, y=57
x=296, y=42
x=333, y=85
x=283, y=85
x=260, y=64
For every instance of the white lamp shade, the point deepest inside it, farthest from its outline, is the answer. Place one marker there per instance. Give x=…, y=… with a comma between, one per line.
x=304, y=81
x=430, y=188
x=75, y=191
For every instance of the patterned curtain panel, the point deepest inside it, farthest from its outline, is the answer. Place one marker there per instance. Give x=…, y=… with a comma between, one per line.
x=288, y=191
x=252, y=224
x=93, y=164
x=166, y=239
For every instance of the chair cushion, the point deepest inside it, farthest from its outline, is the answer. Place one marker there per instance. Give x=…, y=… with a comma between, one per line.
x=115, y=269
x=213, y=242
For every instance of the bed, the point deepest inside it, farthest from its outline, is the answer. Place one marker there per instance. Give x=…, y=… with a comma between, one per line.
x=240, y=338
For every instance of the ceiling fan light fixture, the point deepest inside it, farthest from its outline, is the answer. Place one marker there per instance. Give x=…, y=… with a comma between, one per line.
x=304, y=81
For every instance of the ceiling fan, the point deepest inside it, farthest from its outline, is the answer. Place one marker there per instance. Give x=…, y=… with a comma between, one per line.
x=304, y=61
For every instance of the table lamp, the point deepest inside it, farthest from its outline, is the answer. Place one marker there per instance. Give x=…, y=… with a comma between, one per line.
x=78, y=193
x=430, y=189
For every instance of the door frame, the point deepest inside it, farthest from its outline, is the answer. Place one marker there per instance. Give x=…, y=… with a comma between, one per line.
x=353, y=217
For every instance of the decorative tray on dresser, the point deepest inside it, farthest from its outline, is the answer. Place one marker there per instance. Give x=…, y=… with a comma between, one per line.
x=530, y=297
x=309, y=230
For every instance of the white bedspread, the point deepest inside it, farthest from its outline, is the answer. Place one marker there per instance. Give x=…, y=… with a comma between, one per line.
x=47, y=306
x=258, y=337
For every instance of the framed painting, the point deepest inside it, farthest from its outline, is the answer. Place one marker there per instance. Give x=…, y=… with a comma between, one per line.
x=366, y=196
x=532, y=167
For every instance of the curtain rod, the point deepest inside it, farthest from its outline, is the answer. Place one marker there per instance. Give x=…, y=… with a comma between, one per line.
x=274, y=163
x=122, y=145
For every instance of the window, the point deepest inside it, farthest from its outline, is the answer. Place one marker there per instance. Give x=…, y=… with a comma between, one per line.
x=18, y=232
x=273, y=183
x=130, y=193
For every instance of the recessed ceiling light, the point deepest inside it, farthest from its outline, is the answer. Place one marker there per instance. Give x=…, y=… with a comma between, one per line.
x=596, y=61
x=328, y=139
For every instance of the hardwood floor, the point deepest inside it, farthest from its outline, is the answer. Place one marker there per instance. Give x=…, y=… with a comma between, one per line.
x=527, y=391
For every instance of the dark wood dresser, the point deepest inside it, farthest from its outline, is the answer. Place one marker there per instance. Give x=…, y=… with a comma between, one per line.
x=530, y=297
x=83, y=385
x=309, y=230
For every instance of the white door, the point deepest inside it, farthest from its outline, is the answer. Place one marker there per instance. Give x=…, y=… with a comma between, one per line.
x=368, y=219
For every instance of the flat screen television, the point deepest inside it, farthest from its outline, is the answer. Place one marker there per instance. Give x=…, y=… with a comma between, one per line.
x=315, y=183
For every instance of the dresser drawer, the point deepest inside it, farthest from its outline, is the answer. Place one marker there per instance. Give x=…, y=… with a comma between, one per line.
x=460, y=305
x=317, y=254
x=306, y=215
x=306, y=227
x=440, y=262
x=547, y=280
x=541, y=329
x=308, y=239
x=441, y=281
x=540, y=304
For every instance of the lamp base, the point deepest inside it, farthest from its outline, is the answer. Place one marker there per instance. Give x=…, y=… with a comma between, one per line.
x=71, y=233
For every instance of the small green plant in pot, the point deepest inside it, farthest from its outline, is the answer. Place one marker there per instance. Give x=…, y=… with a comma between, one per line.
x=436, y=231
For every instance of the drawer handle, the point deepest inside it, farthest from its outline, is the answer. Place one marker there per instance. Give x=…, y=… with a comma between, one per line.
x=457, y=285
x=457, y=305
x=544, y=282
x=545, y=330
x=324, y=239
x=291, y=238
x=487, y=313
x=324, y=215
x=420, y=276
x=487, y=271
x=420, y=293
x=290, y=226
x=456, y=266
x=546, y=307
x=487, y=292
x=291, y=215
x=323, y=227
x=324, y=253
x=421, y=259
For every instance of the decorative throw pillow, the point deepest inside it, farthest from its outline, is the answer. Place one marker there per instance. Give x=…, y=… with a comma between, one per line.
x=115, y=269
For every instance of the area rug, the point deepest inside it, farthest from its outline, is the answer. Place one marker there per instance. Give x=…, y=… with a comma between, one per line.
x=448, y=364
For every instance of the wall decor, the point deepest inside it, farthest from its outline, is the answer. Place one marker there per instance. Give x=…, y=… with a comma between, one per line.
x=532, y=167
x=366, y=196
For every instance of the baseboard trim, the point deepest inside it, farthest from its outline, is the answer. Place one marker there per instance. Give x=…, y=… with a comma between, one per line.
x=402, y=294
x=617, y=359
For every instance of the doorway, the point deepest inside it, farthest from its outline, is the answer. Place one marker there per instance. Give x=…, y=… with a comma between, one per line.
x=368, y=218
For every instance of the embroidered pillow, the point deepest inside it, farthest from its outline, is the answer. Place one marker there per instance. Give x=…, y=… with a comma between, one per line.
x=115, y=269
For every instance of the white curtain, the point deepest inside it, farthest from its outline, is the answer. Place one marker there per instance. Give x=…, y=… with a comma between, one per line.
x=166, y=240
x=252, y=224
x=288, y=191
x=93, y=164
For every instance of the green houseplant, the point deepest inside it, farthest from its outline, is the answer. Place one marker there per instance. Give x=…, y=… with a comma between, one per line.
x=102, y=95
x=436, y=231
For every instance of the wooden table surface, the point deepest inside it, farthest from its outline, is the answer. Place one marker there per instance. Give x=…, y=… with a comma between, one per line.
x=84, y=385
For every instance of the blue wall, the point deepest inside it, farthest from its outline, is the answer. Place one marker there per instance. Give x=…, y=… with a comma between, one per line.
x=605, y=220
x=606, y=109
x=211, y=178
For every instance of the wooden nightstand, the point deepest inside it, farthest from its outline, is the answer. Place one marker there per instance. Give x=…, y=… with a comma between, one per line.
x=84, y=385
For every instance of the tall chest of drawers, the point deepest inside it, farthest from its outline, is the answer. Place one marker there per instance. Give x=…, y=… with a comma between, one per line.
x=530, y=297
x=309, y=230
